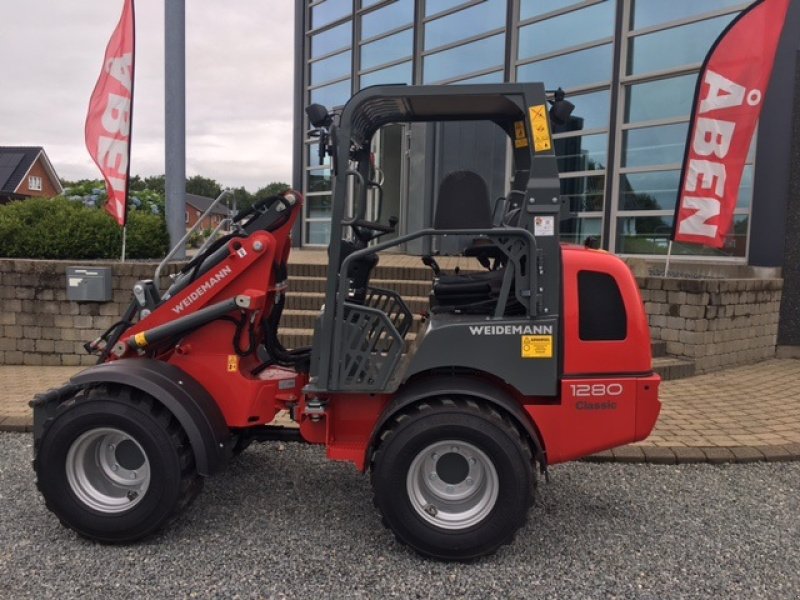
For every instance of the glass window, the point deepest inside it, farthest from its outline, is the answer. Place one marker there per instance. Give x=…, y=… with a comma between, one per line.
x=436, y=6
x=571, y=29
x=483, y=17
x=318, y=207
x=335, y=38
x=644, y=235
x=592, y=111
x=329, y=11
x=319, y=180
x=584, y=194
x=396, y=14
x=318, y=233
x=659, y=190
x=332, y=95
x=572, y=70
x=652, y=12
x=654, y=145
x=313, y=156
x=334, y=67
x=649, y=191
x=368, y=3
x=685, y=45
x=576, y=230
x=581, y=153
x=662, y=99
x=387, y=49
x=496, y=77
x=471, y=57
x=533, y=8
x=397, y=74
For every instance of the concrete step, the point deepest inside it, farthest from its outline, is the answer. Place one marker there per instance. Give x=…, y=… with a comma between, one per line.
x=404, y=288
x=305, y=319
x=382, y=272
x=315, y=300
x=659, y=349
x=671, y=368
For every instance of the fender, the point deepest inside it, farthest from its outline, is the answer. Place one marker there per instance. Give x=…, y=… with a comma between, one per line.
x=187, y=400
x=461, y=385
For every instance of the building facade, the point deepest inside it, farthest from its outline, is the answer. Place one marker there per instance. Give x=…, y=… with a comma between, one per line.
x=630, y=68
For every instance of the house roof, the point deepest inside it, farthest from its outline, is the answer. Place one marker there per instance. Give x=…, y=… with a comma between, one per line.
x=16, y=162
x=202, y=203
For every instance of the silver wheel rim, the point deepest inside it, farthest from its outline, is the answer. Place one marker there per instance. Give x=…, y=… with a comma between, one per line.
x=108, y=470
x=452, y=484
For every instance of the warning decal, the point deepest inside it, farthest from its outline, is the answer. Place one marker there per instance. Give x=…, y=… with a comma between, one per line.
x=520, y=138
x=537, y=346
x=233, y=363
x=540, y=126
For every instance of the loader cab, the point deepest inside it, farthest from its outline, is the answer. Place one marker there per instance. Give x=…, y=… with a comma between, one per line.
x=362, y=340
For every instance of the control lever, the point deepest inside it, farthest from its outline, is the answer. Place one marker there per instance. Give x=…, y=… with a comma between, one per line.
x=429, y=261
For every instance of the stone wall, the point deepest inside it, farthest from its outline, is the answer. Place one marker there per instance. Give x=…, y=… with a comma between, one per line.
x=39, y=325
x=716, y=323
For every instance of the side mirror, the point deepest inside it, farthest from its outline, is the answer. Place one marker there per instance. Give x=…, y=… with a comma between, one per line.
x=318, y=115
x=561, y=109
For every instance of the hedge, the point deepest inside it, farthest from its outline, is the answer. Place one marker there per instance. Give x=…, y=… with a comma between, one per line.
x=61, y=229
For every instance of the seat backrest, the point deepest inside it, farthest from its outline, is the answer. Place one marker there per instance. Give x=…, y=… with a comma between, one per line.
x=463, y=202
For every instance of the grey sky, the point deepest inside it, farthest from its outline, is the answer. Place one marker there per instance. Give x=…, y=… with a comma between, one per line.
x=239, y=84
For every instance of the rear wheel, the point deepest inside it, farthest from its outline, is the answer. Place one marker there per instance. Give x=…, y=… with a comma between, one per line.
x=453, y=478
x=114, y=465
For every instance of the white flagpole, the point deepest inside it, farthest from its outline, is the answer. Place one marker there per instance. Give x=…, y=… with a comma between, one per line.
x=669, y=253
x=124, y=232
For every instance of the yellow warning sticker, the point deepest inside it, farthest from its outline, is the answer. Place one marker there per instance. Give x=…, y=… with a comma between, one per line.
x=233, y=363
x=140, y=339
x=521, y=139
x=537, y=346
x=540, y=126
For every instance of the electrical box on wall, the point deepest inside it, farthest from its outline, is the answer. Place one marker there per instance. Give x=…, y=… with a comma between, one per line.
x=89, y=284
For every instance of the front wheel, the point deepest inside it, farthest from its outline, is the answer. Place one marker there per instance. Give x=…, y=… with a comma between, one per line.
x=114, y=465
x=453, y=478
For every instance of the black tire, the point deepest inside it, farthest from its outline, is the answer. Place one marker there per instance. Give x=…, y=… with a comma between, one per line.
x=79, y=429
x=485, y=433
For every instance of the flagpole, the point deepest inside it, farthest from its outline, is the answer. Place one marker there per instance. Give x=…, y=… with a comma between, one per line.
x=124, y=232
x=669, y=254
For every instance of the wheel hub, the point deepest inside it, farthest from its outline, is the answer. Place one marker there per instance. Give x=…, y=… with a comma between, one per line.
x=452, y=484
x=108, y=470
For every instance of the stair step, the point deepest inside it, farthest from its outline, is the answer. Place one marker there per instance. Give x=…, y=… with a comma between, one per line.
x=671, y=368
x=293, y=318
x=315, y=300
x=659, y=349
x=404, y=288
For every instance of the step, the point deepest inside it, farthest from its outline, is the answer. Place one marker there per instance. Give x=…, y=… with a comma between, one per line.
x=659, y=349
x=671, y=368
x=304, y=319
x=315, y=300
x=319, y=285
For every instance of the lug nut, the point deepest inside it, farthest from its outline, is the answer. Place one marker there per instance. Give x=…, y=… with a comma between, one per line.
x=433, y=475
x=114, y=467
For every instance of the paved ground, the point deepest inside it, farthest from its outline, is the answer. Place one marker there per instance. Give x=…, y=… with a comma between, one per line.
x=289, y=524
x=738, y=415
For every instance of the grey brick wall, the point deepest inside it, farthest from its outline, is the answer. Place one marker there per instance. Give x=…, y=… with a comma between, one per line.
x=715, y=323
x=40, y=327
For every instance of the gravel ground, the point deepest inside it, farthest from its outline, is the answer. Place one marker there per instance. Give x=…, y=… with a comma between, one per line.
x=284, y=522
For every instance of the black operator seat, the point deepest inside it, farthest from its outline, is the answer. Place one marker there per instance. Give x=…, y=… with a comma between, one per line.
x=463, y=203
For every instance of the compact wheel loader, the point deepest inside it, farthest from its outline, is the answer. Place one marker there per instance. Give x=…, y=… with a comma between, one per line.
x=539, y=355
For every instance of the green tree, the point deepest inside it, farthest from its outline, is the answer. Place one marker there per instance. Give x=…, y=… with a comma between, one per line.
x=156, y=183
x=271, y=189
x=203, y=186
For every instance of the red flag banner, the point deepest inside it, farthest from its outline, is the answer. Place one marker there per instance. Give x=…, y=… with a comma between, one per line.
x=108, y=123
x=727, y=106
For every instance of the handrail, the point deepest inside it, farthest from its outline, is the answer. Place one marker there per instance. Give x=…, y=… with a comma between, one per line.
x=192, y=229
